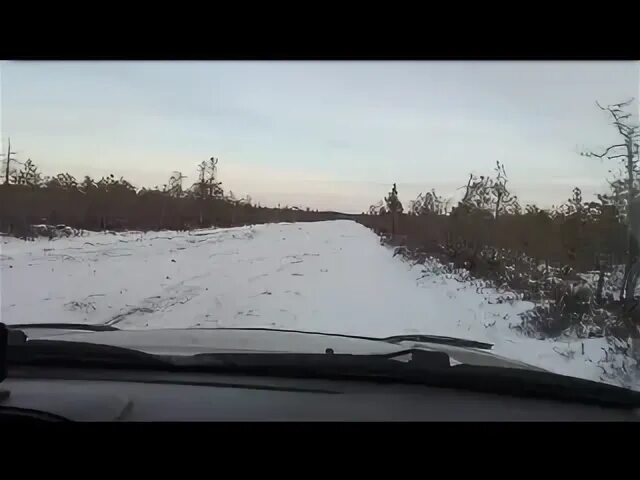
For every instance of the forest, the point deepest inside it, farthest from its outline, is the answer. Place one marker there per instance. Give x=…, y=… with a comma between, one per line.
x=28, y=198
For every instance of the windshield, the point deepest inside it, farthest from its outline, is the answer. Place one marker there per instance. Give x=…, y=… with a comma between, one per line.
x=493, y=202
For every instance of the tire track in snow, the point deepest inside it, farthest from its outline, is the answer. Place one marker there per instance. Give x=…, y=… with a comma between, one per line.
x=178, y=294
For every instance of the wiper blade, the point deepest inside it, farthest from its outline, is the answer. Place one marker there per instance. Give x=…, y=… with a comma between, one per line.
x=64, y=326
x=79, y=354
x=461, y=342
x=456, y=342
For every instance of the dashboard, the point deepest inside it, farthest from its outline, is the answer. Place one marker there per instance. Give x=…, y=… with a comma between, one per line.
x=50, y=394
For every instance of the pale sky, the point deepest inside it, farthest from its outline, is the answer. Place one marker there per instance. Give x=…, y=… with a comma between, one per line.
x=328, y=135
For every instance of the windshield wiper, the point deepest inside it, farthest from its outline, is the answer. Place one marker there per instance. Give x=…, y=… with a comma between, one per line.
x=456, y=342
x=443, y=340
x=64, y=326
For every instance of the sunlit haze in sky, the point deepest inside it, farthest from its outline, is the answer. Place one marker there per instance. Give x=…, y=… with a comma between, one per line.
x=328, y=135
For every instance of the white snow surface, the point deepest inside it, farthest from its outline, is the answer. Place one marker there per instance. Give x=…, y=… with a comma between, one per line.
x=329, y=276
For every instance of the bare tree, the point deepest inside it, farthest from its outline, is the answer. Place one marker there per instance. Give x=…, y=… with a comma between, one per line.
x=616, y=198
x=376, y=208
x=477, y=194
x=428, y=203
x=489, y=194
x=7, y=171
x=505, y=202
x=627, y=151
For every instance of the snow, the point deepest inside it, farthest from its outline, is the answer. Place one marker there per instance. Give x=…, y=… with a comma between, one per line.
x=325, y=276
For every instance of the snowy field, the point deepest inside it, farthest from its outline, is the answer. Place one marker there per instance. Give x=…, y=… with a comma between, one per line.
x=325, y=276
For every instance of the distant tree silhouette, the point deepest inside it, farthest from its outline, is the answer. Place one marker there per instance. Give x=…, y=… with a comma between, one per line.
x=394, y=207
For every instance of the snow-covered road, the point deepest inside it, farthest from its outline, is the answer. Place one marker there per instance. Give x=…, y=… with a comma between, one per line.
x=325, y=276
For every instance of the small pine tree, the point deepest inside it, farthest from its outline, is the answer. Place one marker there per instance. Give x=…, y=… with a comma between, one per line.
x=575, y=205
x=392, y=201
x=28, y=175
x=394, y=207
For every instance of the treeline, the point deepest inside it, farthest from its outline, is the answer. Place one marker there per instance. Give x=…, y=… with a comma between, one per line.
x=581, y=234
x=27, y=198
